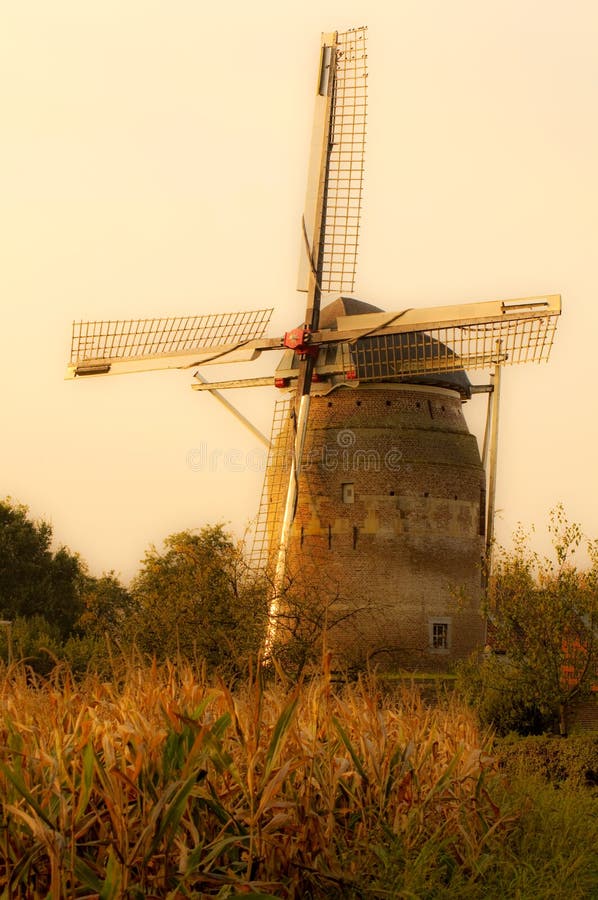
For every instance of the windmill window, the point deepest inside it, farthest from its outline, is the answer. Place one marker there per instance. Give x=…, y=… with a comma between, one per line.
x=348, y=492
x=440, y=634
x=388, y=402
x=329, y=403
x=358, y=403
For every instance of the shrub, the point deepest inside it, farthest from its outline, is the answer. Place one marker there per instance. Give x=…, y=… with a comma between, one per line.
x=34, y=640
x=500, y=699
x=88, y=653
x=571, y=761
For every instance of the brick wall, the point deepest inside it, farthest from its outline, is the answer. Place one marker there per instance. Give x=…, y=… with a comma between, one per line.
x=583, y=715
x=389, y=522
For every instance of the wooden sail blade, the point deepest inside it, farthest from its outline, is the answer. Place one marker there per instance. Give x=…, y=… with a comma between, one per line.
x=121, y=346
x=445, y=339
x=277, y=506
x=344, y=186
x=276, y=478
x=334, y=190
x=424, y=319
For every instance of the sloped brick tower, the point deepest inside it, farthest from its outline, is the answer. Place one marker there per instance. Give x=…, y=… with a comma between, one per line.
x=390, y=517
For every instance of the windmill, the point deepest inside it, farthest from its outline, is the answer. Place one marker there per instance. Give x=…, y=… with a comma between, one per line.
x=352, y=355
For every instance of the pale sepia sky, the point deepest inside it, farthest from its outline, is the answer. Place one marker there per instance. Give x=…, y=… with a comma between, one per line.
x=152, y=162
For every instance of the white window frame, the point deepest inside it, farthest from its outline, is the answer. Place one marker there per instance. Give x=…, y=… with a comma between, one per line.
x=440, y=620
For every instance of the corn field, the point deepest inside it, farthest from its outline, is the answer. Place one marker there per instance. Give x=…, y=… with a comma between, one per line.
x=162, y=784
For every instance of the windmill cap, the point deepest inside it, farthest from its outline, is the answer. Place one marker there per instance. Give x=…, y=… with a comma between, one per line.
x=349, y=306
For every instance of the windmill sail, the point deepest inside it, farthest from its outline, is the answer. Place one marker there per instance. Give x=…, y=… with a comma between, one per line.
x=472, y=336
x=271, y=511
x=344, y=186
x=115, y=346
x=331, y=250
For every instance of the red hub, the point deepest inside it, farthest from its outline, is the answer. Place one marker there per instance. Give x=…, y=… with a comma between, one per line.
x=299, y=340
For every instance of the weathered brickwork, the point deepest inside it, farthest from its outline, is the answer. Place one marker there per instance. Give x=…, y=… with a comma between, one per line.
x=583, y=716
x=390, y=521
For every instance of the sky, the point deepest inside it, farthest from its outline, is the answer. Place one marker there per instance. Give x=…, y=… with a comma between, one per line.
x=153, y=158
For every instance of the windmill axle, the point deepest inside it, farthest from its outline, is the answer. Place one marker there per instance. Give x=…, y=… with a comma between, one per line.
x=299, y=340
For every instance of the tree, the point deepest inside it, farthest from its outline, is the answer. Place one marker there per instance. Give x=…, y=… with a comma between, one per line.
x=108, y=608
x=34, y=581
x=196, y=599
x=311, y=617
x=545, y=615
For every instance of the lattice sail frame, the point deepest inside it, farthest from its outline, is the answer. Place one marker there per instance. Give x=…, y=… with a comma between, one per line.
x=450, y=348
x=344, y=181
x=110, y=340
x=274, y=490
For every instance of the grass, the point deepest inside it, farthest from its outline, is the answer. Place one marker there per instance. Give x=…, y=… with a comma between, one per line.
x=552, y=851
x=162, y=784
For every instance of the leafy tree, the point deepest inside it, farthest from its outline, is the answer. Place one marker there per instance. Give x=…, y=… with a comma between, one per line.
x=34, y=581
x=195, y=599
x=310, y=616
x=108, y=608
x=500, y=698
x=545, y=615
x=34, y=640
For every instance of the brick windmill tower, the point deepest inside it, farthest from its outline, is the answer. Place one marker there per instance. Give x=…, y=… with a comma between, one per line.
x=374, y=499
x=390, y=522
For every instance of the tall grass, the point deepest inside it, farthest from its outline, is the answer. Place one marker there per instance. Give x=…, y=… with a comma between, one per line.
x=162, y=784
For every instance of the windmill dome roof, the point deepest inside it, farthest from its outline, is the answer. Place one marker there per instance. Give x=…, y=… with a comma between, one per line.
x=349, y=306
x=344, y=306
